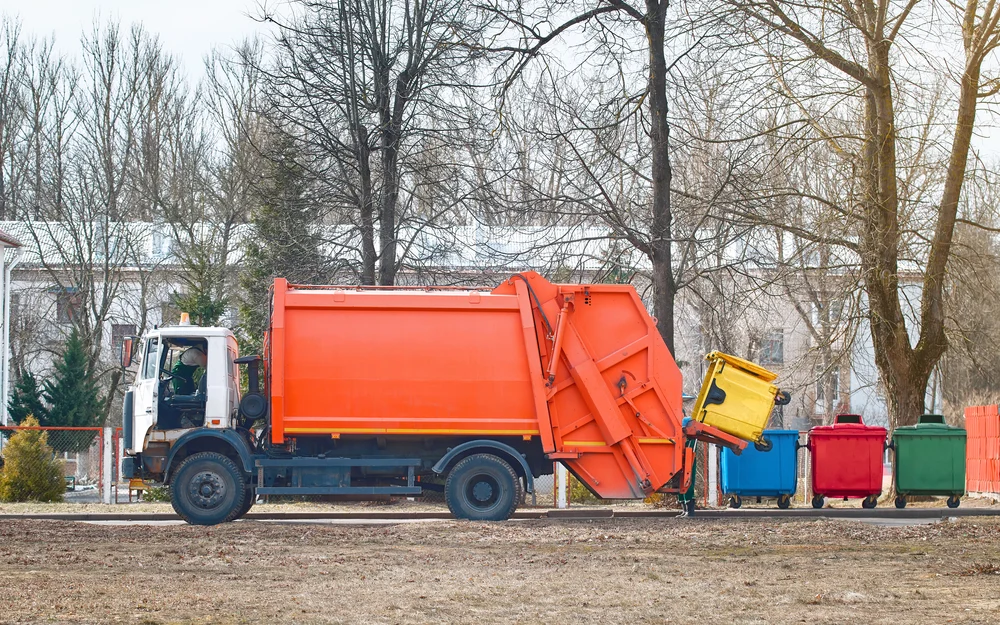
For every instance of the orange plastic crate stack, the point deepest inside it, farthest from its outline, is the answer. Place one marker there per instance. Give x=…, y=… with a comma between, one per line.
x=983, y=452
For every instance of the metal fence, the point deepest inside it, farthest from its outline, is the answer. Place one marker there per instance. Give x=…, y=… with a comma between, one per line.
x=79, y=456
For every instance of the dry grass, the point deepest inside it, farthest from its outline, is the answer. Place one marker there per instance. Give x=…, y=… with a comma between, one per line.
x=614, y=571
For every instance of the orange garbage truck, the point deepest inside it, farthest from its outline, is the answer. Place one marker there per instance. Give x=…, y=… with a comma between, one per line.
x=375, y=391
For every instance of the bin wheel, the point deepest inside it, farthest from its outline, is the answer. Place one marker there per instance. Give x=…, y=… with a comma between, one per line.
x=818, y=501
x=735, y=501
x=900, y=502
x=783, y=398
x=784, y=501
x=954, y=501
x=763, y=444
x=869, y=502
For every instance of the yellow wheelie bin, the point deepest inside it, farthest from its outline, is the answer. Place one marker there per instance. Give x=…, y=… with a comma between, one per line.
x=737, y=397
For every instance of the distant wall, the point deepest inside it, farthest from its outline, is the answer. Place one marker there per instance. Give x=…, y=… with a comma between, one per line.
x=982, y=473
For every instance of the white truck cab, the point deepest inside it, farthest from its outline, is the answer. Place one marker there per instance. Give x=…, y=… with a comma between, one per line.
x=169, y=397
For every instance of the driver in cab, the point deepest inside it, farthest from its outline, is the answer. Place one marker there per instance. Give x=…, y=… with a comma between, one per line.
x=189, y=371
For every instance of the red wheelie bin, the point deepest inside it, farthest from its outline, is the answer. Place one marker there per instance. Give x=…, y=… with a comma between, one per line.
x=846, y=460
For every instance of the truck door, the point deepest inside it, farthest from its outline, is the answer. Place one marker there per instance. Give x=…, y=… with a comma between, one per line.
x=234, y=378
x=144, y=398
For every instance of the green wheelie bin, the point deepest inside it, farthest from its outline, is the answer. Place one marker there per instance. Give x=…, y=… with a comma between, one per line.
x=930, y=460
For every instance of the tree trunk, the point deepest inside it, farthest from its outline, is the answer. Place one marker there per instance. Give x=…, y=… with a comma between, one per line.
x=664, y=288
x=368, y=254
x=880, y=241
x=387, y=213
x=905, y=370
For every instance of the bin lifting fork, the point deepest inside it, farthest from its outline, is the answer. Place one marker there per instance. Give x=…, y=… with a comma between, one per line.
x=568, y=351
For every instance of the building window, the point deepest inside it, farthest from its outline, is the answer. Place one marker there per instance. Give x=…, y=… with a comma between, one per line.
x=118, y=333
x=827, y=312
x=69, y=305
x=827, y=388
x=160, y=244
x=772, y=349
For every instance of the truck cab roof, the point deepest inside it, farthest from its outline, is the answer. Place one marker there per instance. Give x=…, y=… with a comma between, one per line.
x=190, y=330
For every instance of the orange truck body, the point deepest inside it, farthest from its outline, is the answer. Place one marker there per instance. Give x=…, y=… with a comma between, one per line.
x=581, y=369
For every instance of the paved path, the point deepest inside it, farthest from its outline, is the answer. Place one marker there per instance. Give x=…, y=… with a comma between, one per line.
x=905, y=516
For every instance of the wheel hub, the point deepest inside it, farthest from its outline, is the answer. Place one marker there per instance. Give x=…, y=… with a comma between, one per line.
x=482, y=491
x=207, y=489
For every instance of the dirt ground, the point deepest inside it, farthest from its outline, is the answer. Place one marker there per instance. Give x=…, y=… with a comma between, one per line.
x=613, y=571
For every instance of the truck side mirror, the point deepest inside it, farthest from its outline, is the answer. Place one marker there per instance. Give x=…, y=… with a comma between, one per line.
x=125, y=357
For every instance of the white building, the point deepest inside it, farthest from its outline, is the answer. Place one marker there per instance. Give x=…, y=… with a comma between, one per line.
x=125, y=274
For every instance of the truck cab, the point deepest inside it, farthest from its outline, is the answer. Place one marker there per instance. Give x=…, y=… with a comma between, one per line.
x=186, y=381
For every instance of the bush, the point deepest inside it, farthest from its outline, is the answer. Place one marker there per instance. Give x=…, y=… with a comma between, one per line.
x=156, y=493
x=30, y=471
x=578, y=493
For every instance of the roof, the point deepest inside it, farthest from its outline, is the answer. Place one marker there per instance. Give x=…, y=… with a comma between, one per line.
x=8, y=240
x=472, y=246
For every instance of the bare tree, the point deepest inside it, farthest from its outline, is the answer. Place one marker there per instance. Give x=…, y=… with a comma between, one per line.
x=13, y=67
x=86, y=242
x=361, y=84
x=612, y=28
x=865, y=64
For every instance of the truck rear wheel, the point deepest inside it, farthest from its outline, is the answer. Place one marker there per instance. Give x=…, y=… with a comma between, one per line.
x=482, y=487
x=207, y=489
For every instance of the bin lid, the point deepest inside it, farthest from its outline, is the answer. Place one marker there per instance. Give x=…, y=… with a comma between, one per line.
x=848, y=424
x=746, y=365
x=929, y=422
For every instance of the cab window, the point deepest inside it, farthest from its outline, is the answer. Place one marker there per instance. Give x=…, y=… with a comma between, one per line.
x=149, y=361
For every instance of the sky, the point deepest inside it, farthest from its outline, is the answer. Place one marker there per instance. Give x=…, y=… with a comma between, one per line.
x=189, y=29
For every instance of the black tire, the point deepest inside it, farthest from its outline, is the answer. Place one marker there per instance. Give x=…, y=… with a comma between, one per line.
x=954, y=501
x=207, y=489
x=482, y=487
x=247, y=504
x=763, y=444
x=818, y=501
x=900, y=501
x=869, y=502
x=784, y=502
x=735, y=502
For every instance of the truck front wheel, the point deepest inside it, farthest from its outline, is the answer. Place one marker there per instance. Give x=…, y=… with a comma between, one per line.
x=208, y=489
x=247, y=503
x=482, y=487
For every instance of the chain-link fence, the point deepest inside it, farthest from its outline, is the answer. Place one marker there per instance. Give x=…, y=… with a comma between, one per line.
x=85, y=462
x=53, y=464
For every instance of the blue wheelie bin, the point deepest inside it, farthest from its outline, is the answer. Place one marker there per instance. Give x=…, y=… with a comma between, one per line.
x=757, y=473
